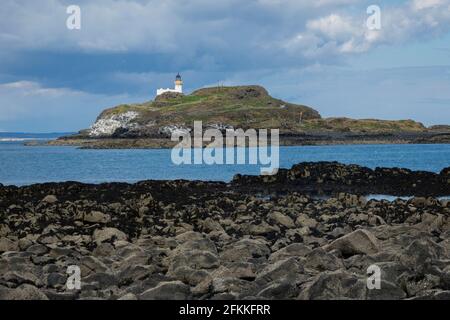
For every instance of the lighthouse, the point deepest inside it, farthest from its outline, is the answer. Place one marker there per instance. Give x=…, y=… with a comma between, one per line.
x=178, y=86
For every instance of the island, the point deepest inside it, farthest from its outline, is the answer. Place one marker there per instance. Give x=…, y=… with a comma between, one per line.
x=151, y=124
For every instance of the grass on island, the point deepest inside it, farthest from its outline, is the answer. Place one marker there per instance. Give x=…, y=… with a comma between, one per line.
x=362, y=125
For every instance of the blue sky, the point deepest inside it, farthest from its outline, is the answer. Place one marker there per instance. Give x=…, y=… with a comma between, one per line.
x=314, y=52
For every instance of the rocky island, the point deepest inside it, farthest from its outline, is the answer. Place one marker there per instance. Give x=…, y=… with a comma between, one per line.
x=314, y=238
x=151, y=124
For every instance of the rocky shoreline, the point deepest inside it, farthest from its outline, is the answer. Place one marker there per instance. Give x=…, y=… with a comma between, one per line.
x=253, y=238
x=291, y=139
x=328, y=178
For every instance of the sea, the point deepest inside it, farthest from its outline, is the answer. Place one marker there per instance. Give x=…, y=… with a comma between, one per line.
x=24, y=165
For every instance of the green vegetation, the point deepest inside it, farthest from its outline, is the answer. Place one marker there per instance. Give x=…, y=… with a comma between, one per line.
x=124, y=108
x=362, y=125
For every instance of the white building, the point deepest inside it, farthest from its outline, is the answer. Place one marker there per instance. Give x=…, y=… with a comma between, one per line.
x=178, y=87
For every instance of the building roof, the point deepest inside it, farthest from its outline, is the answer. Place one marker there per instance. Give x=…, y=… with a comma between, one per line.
x=178, y=77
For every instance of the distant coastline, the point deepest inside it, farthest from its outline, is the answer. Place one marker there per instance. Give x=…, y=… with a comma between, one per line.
x=31, y=135
x=28, y=137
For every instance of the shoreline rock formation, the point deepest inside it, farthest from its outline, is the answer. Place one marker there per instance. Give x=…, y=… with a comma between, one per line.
x=333, y=177
x=213, y=240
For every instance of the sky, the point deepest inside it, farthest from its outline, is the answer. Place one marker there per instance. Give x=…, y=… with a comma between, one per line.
x=319, y=53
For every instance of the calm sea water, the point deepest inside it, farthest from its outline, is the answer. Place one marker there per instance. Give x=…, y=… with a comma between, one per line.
x=21, y=165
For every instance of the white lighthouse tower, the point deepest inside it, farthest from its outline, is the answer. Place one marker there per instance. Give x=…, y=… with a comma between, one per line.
x=178, y=87
x=178, y=84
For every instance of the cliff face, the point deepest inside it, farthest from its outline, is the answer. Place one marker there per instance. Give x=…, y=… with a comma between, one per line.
x=219, y=107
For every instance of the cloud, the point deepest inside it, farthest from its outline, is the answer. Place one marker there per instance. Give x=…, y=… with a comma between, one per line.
x=332, y=27
x=27, y=106
x=209, y=28
x=342, y=33
x=32, y=89
x=419, y=5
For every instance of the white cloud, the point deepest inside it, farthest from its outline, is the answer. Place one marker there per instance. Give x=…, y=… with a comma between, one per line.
x=333, y=26
x=343, y=33
x=425, y=4
x=305, y=4
x=29, y=106
x=33, y=89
